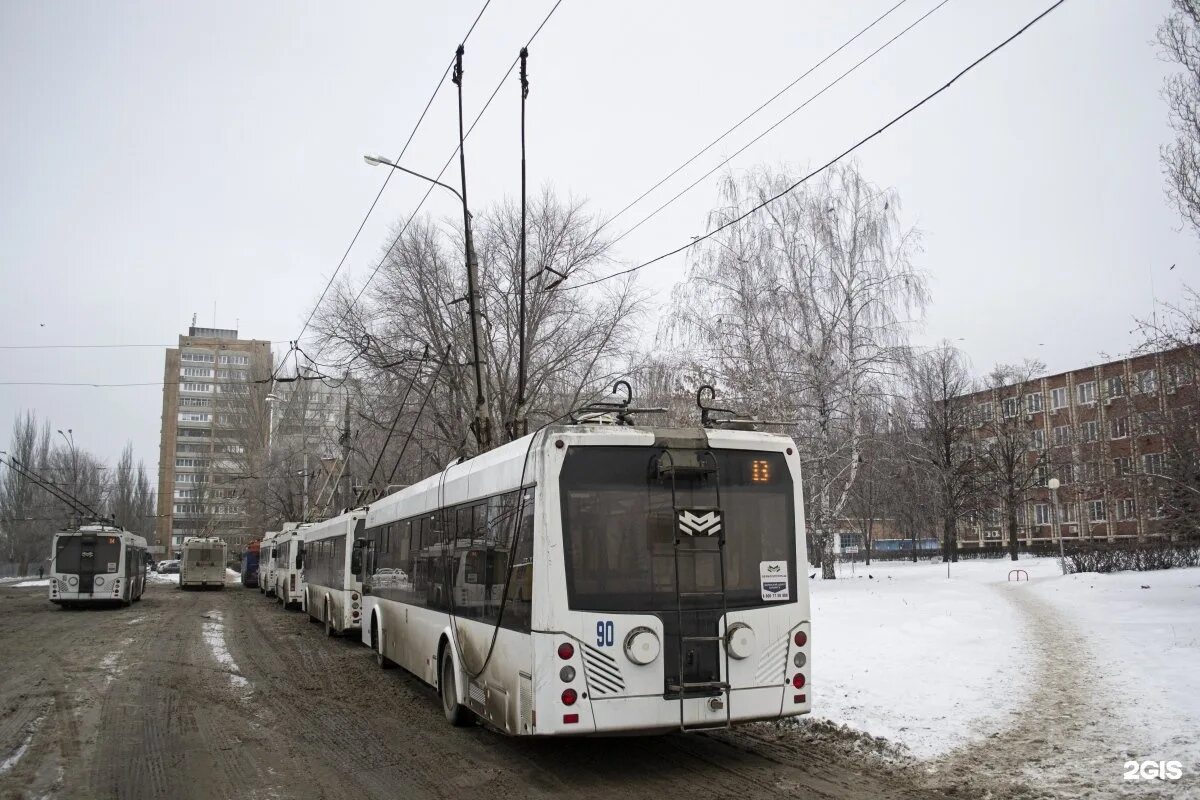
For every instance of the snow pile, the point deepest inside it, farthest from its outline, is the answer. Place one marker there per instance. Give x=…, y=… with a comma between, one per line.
x=160, y=577
x=34, y=582
x=214, y=636
x=902, y=651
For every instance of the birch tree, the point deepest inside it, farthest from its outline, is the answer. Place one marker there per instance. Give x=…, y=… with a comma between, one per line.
x=802, y=311
x=1179, y=43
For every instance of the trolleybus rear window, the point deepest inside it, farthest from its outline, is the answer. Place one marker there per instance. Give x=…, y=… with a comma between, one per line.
x=97, y=554
x=618, y=528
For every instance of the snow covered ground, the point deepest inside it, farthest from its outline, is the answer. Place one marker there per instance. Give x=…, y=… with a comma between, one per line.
x=32, y=582
x=1071, y=674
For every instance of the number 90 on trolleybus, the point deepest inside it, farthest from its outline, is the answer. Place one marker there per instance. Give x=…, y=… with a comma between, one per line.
x=95, y=565
x=596, y=579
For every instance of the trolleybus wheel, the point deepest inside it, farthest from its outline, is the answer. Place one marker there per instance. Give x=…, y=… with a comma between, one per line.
x=457, y=714
x=383, y=661
x=329, y=629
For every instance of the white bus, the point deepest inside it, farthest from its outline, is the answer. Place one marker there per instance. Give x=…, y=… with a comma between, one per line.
x=266, y=563
x=202, y=562
x=332, y=564
x=648, y=581
x=97, y=564
x=289, y=580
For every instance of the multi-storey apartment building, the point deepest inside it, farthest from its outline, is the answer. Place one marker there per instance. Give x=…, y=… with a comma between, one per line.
x=1105, y=432
x=203, y=436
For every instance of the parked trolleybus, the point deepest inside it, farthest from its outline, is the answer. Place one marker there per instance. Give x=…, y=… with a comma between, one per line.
x=266, y=563
x=332, y=562
x=97, y=564
x=599, y=579
x=203, y=562
x=289, y=580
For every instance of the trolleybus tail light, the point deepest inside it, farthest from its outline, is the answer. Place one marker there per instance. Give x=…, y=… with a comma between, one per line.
x=566, y=650
x=569, y=719
x=800, y=698
x=798, y=680
x=801, y=638
x=569, y=696
x=567, y=674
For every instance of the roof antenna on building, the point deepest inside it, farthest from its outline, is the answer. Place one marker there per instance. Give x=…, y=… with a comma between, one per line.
x=193, y=319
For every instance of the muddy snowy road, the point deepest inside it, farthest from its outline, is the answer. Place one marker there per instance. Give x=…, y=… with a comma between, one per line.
x=224, y=694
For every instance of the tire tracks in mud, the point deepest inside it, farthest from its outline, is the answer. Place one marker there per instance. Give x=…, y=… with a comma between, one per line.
x=318, y=719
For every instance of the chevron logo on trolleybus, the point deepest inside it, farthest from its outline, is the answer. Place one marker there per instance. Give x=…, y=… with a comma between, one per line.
x=699, y=524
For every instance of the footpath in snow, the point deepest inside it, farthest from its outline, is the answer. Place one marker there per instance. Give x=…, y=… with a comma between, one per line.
x=1105, y=669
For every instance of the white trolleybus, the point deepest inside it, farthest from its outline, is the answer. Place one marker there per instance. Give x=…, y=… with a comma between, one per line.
x=97, y=564
x=599, y=579
x=202, y=562
x=288, y=576
x=266, y=563
x=332, y=567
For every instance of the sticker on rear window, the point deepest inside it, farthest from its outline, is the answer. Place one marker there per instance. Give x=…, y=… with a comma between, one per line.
x=773, y=579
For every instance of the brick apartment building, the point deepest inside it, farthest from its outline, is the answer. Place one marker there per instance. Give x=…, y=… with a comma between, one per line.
x=1103, y=432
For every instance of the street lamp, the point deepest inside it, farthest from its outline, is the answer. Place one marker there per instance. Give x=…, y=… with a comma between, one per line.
x=1053, y=484
x=380, y=161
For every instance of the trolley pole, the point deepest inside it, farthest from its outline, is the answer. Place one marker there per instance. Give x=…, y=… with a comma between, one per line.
x=520, y=425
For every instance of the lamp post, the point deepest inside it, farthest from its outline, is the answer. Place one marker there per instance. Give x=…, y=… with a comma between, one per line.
x=482, y=425
x=1053, y=483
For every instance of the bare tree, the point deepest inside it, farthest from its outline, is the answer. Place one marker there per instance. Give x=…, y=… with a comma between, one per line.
x=576, y=341
x=1009, y=463
x=28, y=516
x=130, y=500
x=1179, y=41
x=802, y=311
x=938, y=379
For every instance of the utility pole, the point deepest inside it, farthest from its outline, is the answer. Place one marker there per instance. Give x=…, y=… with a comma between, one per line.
x=345, y=442
x=520, y=425
x=482, y=426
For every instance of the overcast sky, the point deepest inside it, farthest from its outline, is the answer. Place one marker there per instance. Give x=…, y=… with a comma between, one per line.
x=161, y=160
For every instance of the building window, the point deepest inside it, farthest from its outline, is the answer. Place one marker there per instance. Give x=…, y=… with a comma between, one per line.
x=1122, y=465
x=1058, y=398
x=195, y=401
x=1067, y=510
x=984, y=411
x=1126, y=509
x=1089, y=431
x=1119, y=427
x=194, y=416
x=1153, y=463
x=235, y=359
x=1097, y=511
x=1010, y=406
x=205, y=357
x=1037, y=439
x=1033, y=402
x=1149, y=422
x=1041, y=475
x=234, y=374
x=1062, y=435
x=1085, y=393
x=1146, y=381
x=196, y=372
x=1041, y=514
x=195, y=387
x=1089, y=472
x=1178, y=375
x=1115, y=387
